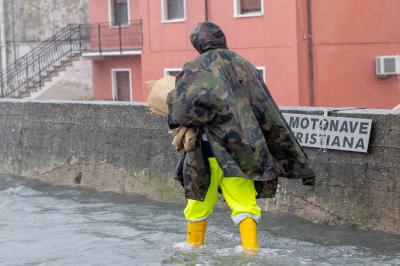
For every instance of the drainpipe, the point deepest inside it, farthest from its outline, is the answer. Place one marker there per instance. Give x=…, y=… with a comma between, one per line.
x=13, y=30
x=205, y=10
x=3, y=51
x=310, y=53
x=3, y=43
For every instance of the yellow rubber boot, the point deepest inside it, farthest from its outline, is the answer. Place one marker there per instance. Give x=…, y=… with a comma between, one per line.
x=196, y=232
x=248, y=234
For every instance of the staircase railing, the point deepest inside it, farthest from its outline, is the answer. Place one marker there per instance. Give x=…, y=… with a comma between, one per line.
x=28, y=71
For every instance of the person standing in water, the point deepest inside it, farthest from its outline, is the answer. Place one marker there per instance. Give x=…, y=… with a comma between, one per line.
x=243, y=144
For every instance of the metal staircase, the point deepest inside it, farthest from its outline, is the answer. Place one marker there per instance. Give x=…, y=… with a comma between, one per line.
x=30, y=72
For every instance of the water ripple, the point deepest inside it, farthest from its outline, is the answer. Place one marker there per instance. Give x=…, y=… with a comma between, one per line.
x=45, y=225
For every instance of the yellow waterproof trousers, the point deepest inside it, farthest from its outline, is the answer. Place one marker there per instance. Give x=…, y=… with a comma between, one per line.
x=238, y=192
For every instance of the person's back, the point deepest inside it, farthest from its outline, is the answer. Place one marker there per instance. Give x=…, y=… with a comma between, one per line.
x=222, y=94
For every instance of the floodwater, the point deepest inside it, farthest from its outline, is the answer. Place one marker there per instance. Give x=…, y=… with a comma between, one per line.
x=45, y=225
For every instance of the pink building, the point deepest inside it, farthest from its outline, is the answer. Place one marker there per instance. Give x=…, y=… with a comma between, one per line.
x=133, y=41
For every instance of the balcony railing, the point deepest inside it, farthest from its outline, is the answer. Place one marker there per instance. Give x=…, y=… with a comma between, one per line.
x=103, y=37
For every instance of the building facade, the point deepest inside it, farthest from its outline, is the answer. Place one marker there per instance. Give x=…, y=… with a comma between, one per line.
x=310, y=52
x=26, y=24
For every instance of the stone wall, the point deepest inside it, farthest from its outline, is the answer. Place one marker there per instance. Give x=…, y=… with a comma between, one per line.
x=120, y=147
x=107, y=146
x=358, y=188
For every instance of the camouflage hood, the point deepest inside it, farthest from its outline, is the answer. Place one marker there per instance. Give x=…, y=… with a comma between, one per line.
x=207, y=36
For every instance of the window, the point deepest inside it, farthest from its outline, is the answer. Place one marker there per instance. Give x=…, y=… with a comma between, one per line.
x=173, y=10
x=119, y=12
x=261, y=71
x=248, y=8
x=121, y=85
x=172, y=71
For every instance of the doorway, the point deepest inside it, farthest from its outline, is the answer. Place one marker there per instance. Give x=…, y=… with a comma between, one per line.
x=121, y=85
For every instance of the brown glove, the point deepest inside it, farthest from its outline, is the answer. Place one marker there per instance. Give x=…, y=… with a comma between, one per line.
x=184, y=138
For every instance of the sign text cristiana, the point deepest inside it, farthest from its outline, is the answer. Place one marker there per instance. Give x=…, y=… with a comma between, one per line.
x=339, y=133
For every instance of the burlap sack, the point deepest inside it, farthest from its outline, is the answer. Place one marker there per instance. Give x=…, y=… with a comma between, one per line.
x=157, y=99
x=184, y=138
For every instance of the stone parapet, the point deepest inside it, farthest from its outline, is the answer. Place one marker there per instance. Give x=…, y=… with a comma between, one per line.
x=120, y=147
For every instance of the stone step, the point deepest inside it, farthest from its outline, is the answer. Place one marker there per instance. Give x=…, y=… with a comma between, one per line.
x=48, y=75
x=53, y=74
x=32, y=89
x=24, y=94
x=75, y=58
x=46, y=79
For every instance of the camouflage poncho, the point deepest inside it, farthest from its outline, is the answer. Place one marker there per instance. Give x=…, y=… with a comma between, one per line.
x=223, y=95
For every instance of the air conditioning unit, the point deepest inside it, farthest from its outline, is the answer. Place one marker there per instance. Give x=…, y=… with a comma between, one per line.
x=387, y=65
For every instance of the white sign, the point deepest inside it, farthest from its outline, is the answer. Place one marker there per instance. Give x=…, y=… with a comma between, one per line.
x=326, y=132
